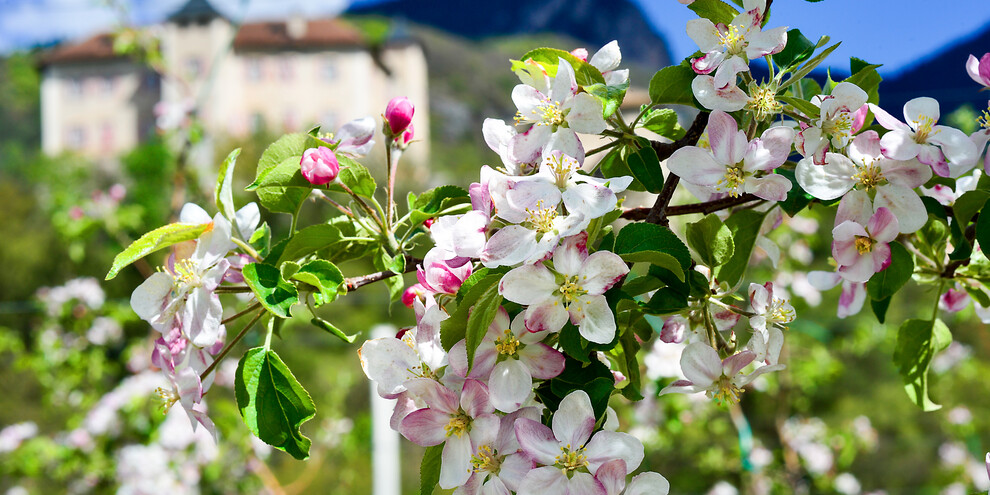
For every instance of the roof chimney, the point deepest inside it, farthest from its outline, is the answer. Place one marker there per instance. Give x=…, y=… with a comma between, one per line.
x=296, y=26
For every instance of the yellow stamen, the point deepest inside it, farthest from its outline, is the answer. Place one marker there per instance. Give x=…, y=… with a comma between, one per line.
x=486, y=460
x=458, y=425
x=839, y=125
x=571, y=290
x=984, y=119
x=733, y=39
x=167, y=397
x=542, y=218
x=508, y=345
x=569, y=461
x=562, y=168
x=864, y=244
x=186, y=272
x=923, y=129
x=763, y=103
x=869, y=176
x=725, y=391
x=734, y=178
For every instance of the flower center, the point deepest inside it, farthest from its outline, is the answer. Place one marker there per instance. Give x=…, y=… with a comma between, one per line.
x=763, y=103
x=549, y=113
x=724, y=391
x=923, y=128
x=571, y=290
x=984, y=119
x=562, y=167
x=167, y=397
x=486, y=460
x=864, y=244
x=570, y=460
x=508, y=345
x=780, y=311
x=869, y=176
x=186, y=273
x=734, y=178
x=458, y=425
x=732, y=39
x=840, y=125
x=542, y=218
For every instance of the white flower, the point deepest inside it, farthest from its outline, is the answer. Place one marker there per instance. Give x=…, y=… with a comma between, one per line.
x=720, y=379
x=843, y=113
x=948, y=151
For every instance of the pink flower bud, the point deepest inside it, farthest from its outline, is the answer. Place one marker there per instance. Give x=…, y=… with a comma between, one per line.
x=319, y=165
x=673, y=330
x=76, y=213
x=429, y=222
x=117, y=192
x=399, y=114
x=413, y=292
x=580, y=53
x=407, y=135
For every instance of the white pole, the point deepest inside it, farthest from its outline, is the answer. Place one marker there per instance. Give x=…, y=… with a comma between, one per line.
x=385, y=440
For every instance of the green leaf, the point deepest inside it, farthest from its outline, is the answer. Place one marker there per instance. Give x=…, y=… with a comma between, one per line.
x=429, y=470
x=585, y=74
x=673, y=85
x=323, y=275
x=797, y=199
x=811, y=64
x=356, y=177
x=283, y=188
x=332, y=330
x=663, y=122
x=745, y=228
x=868, y=79
x=261, y=239
x=287, y=146
x=160, y=238
x=593, y=377
x=711, y=239
x=275, y=294
x=968, y=205
x=614, y=165
x=884, y=284
x=932, y=237
x=480, y=319
x=272, y=402
x=224, y=193
x=804, y=106
x=310, y=240
x=798, y=49
x=880, y=308
x=629, y=364
x=610, y=96
x=638, y=242
x=384, y=261
x=432, y=201
x=645, y=166
x=983, y=230
x=453, y=329
x=716, y=11
x=917, y=343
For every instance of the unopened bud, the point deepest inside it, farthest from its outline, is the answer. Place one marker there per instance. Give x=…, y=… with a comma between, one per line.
x=319, y=165
x=580, y=53
x=399, y=114
x=673, y=330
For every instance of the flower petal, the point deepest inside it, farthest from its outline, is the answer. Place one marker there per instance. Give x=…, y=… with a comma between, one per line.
x=595, y=320
x=510, y=385
x=574, y=420
x=537, y=441
x=700, y=364
x=608, y=445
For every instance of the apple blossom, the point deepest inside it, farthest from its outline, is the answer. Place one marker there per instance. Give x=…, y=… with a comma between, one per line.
x=590, y=196
x=861, y=248
x=720, y=379
x=720, y=92
x=439, y=276
x=398, y=114
x=853, y=294
x=947, y=150
x=570, y=452
x=954, y=300
x=612, y=476
x=554, y=116
x=319, y=165
x=979, y=69
x=769, y=311
x=575, y=289
x=607, y=60
x=981, y=138
x=673, y=329
x=733, y=162
x=843, y=113
x=498, y=465
x=354, y=139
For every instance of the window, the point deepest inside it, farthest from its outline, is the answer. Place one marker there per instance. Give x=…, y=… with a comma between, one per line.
x=328, y=70
x=252, y=69
x=76, y=138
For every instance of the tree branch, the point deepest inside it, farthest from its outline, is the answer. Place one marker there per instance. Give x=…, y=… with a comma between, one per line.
x=354, y=283
x=703, y=208
x=658, y=213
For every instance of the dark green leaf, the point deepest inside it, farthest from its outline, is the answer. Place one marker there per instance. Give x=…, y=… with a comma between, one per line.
x=798, y=49
x=917, y=343
x=880, y=308
x=797, y=199
x=804, y=106
x=160, y=238
x=614, y=165
x=716, y=11
x=637, y=237
x=429, y=470
x=968, y=205
x=745, y=228
x=811, y=64
x=645, y=166
x=868, y=79
x=884, y=284
x=356, y=177
x=711, y=240
x=983, y=230
x=261, y=239
x=655, y=258
x=480, y=319
x=310, y=240
x=272, y=402
x=453, y=329
x=325, y=277
x=431, y=201
x=673, y=85
x=275, y=294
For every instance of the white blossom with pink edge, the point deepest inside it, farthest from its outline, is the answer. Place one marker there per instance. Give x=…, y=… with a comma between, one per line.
x=947, y=150
x=607, y=59
x=720, y=92
x=853, y=294
x=769, y=310
x=438, y=276
x=979, y=69
x=735, y=165
x=448, y=420
x=612, y=476
x=720, y=379
x=555, y=117
x=509, y=357
x=571, y=452
x=498, y=465
x=954, y=300
x=573, y=290
x=354, y=139
x=866, y=170
x=391, y=362
x=860, y=244
x=843, y=113
x=742, y=39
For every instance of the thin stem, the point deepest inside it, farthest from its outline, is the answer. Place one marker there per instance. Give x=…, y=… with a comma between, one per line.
x=353, y=283
x=391, y=166
x=242, y=313
x=364, y=206
x=246, y=247
x=343, y=209
x=237, y=289
x=226, y=350
x=704, y=208
x=938, y=298
x=658, y=213
x=603, y=148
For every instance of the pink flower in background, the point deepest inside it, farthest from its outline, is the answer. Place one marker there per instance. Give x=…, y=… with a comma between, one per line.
x=674, y=329
x=399, y=114
x=319, y=165
x=861, y=247
x=979, y=70
x=955, y=299
x=853, y=294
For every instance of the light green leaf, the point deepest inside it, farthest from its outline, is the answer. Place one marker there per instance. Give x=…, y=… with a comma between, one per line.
x=610, y=96
x=663, y=122
x=287, y=146
x=810, y=64
x=673, y=85
x=585, y=73
x=328, y=327
x=639, y=242
x=716, y=11
x=429, y=470
x=356, y=177
x=310, y=240
x=283, y=188
x=711, y=239
x=224, y=193
x=804, y=106
x=657, y=258
x=261, y=239
x=745, y=228
x=275, y=294
x=917, y=343
x=480, y=319
x=160, y=238
x=323, y=275
x=272, y=402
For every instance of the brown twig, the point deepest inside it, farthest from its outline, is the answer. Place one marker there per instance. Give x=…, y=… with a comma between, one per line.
x=354, y=283
x=658, y=213
x=703, y=208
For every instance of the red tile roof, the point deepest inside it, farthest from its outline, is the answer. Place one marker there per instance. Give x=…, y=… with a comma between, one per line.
x=98, y=47
x=320, y=33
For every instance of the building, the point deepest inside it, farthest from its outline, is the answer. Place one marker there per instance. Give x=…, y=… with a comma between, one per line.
x=284, y=75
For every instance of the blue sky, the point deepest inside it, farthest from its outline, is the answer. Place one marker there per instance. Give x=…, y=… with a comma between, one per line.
x=895, y=33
